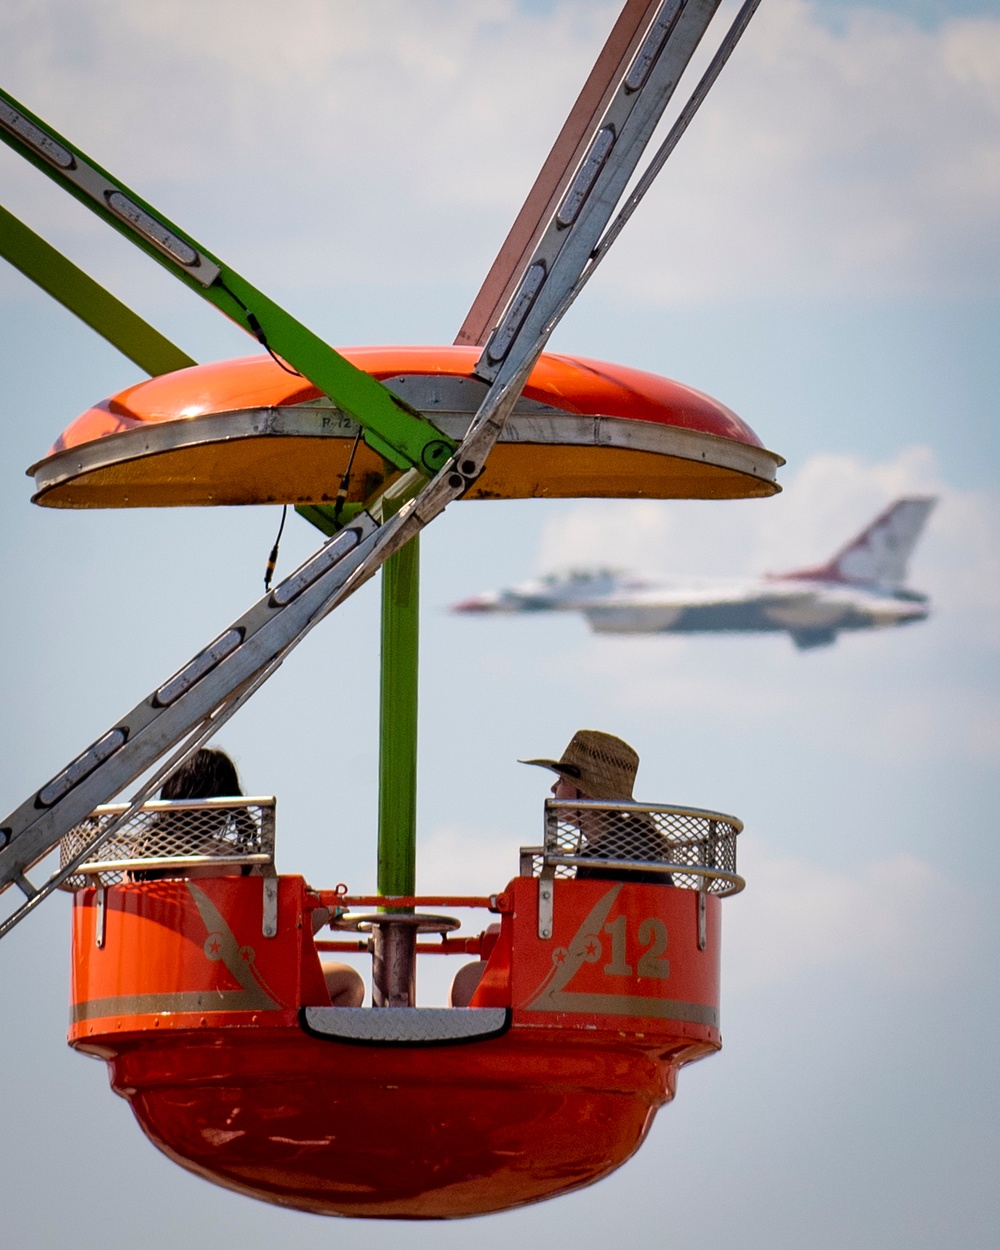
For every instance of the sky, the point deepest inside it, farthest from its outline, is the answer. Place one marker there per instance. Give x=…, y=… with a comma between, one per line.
x=821, y=254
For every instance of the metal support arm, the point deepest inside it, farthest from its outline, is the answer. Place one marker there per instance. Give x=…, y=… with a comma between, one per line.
x=391, y=428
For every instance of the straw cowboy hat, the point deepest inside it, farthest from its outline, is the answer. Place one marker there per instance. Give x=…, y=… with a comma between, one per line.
x=600, y=764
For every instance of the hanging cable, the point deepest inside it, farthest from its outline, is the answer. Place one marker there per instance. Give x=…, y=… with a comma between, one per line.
x=257, y=330
x=345, y=481
x=272, y=559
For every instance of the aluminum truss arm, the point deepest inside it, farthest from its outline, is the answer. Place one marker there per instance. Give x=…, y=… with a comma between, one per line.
x=568, y=150
x=194, y=699
x=635, y=197
x=600, y=180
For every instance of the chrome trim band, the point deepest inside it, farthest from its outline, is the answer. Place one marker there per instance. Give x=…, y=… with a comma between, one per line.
x=186, y=1002
x=540, y=428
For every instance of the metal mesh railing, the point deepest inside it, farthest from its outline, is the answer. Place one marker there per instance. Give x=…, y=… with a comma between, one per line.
x=164, y=837
x=690, y=848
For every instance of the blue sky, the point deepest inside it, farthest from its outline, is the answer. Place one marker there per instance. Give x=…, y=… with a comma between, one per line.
x=820, y=254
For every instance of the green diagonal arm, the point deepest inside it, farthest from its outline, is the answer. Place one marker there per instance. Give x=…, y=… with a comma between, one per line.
x=391, y=427
x=98, y=308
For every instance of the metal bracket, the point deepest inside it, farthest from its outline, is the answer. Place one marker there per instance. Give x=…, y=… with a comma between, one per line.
x=269, y=925
x=546, y=903
x=702, y=919
x=101, y=919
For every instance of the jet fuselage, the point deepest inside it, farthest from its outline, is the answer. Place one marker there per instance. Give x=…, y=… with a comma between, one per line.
x=861, y=587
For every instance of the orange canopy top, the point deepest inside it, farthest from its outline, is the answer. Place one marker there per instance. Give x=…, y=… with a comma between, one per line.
x=246, y=431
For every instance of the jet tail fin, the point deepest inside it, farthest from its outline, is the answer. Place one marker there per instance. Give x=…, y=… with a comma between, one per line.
x=880, y=553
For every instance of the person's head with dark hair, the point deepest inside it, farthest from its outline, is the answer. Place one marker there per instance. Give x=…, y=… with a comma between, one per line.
x=208, y=774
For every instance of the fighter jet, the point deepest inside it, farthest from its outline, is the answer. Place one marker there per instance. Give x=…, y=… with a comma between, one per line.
x=861, y=587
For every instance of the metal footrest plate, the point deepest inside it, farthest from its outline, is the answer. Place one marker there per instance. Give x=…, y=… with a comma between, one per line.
x=406, y=1026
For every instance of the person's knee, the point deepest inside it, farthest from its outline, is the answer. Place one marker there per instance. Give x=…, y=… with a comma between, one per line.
x=344, y=985
x=466, y=983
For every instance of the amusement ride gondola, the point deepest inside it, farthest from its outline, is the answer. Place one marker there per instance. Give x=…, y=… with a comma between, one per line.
x=197, y=967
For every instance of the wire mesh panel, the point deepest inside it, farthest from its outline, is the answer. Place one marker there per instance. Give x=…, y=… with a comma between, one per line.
x=686, y=847
x=170, y=836
x=533, y=861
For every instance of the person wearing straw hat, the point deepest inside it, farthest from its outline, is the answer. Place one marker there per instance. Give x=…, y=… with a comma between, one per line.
x=598, y=766
x=595, y=765
x=601, y=767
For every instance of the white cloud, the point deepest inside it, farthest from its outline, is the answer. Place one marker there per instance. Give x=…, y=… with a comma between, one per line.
x=617, y=536
x=858, y=161
x=895, y=919
x=367, y=139
x=465, y=861
x=871, y=696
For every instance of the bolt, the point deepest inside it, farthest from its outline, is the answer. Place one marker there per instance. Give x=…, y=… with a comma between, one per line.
x=435, y=454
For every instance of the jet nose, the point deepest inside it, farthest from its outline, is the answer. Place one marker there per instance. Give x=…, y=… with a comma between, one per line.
x=478, y=603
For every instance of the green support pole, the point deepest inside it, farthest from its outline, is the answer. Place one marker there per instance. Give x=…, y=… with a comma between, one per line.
x=397, y=800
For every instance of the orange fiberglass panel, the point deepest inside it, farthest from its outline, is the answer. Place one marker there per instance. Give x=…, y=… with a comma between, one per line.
x=245, y=431
x=201, y=1020
x=173, y=949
